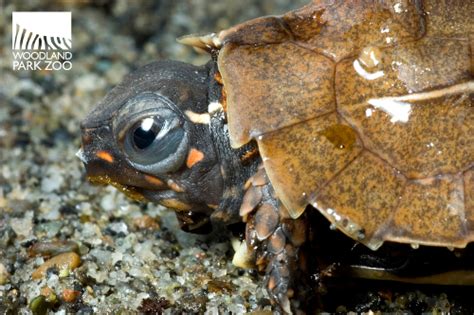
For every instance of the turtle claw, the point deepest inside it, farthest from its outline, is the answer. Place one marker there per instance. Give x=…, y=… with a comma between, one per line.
x=282, y=271
x=279, y=292
x=284, y=303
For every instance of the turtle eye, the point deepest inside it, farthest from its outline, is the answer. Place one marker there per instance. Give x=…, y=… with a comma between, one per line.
x=145, y=132
x=152, y=140
x=152, y=133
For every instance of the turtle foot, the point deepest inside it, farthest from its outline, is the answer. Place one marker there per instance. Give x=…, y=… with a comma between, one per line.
x=275, y=239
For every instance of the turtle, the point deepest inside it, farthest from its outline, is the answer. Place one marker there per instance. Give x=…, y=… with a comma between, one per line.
x=360, y=112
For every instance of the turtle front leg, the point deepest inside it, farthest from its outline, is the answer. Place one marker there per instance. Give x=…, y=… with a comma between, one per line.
x=273, y=240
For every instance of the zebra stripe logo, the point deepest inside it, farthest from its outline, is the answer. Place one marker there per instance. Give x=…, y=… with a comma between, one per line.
x=41, y=41
x=41, y=31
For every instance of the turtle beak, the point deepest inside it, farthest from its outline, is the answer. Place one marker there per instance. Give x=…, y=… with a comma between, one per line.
x=81, y=156
x=103, y=165
x=97, y=151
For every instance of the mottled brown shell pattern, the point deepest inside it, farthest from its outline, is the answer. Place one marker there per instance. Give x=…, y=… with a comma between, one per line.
x=363, y=109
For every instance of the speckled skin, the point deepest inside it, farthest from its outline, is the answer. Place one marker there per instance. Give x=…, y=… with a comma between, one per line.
x=274, y=240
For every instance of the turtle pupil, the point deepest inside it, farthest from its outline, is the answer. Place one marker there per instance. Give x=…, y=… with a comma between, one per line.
x=145, y=134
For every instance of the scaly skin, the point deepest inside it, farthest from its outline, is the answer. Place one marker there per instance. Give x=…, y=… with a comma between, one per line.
x=275, y=241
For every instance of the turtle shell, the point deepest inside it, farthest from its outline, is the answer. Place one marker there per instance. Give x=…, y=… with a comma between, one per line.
x=364, y=110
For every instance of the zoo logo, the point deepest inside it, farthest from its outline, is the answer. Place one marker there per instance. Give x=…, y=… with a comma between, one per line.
x=41, y=40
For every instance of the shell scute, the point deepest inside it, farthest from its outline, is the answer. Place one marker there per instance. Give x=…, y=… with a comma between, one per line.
x=365, y=110
x=431, y=211
x=300, y=160
x=274, y=86
x=361, y=215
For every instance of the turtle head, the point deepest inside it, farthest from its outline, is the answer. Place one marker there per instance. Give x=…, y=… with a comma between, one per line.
x=150, y=138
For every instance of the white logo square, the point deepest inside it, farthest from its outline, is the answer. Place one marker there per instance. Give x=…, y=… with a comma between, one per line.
x=41, y=31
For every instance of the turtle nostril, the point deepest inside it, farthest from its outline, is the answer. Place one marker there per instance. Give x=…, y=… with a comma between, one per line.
x=86, y=137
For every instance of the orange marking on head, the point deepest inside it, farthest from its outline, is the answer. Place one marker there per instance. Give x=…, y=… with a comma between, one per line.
x=153, y=180
x=194, y=157
x=106, y=156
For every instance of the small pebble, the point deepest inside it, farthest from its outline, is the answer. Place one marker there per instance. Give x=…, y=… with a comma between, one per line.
x=4, y=275
x=49, y=294
x=23, y=226
x=70, y=296
x=117, y=228
x=53, y=181
x=146, y=223
x=65, y=261
x=53, y=248
x=217, y=286
x=39, y=305
x=46, y=291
